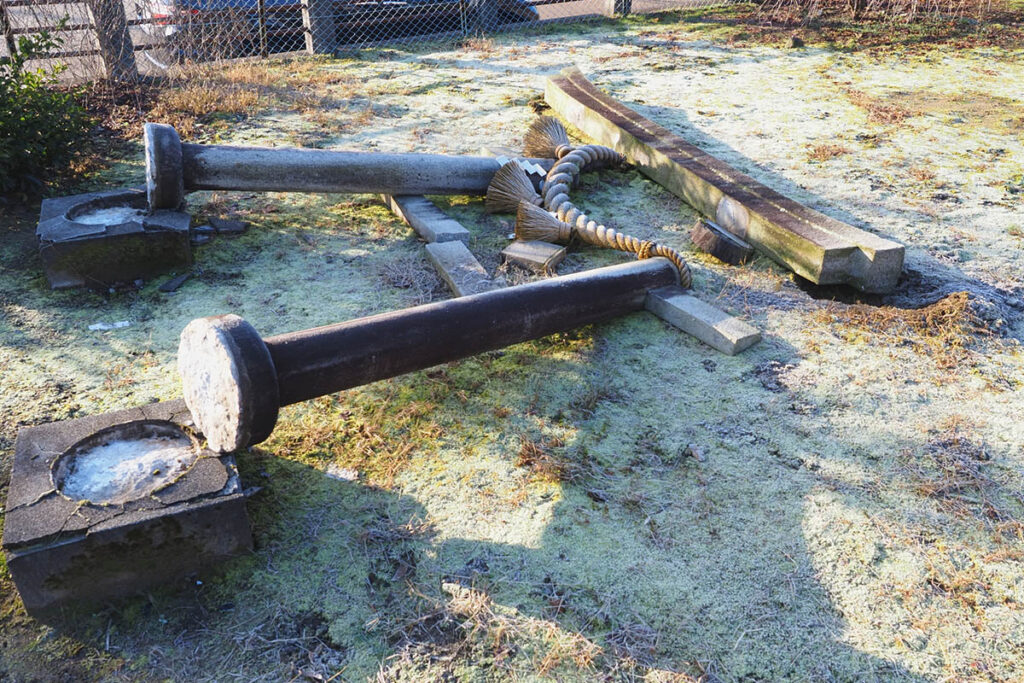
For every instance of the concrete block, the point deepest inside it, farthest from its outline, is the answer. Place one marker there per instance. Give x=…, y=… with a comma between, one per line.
x=429, y=222
x=714, y=327
x=535, y=255
x=103, y=238
x=76, y=532
x=460, y=269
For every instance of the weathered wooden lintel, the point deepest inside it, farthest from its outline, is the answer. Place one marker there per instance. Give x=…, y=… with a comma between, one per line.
x=818, y=247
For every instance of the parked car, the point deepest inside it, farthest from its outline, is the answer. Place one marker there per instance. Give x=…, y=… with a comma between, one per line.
x=210, y=29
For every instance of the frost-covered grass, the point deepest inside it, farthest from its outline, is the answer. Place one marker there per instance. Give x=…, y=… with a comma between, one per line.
x=843, y=501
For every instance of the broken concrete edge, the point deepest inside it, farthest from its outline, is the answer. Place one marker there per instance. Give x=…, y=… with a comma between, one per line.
x=429, y=222
x=98, y=255
x=715, y=240
x=536, y=169
x=63, y=553
x=714, y=327
x=815, y=246
x=458, y=267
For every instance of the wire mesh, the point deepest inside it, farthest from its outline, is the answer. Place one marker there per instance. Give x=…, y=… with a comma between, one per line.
x=121, y=39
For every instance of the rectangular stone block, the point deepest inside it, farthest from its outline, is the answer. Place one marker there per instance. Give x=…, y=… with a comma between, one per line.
x=460, y=269
x=535, y=255
x=429, y=222
x=63, y=549
x=714, y=327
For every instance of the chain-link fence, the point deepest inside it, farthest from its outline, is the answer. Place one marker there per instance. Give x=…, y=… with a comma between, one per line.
x=121, y=39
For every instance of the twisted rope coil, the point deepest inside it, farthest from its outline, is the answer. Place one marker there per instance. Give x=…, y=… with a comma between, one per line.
x=563, y=176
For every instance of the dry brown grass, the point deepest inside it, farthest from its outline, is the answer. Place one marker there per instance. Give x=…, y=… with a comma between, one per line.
x=537, y=457
x=464, y=623
x=196, y=103
x=374, y=435
x=480, y=44
x=413, y=273
x=905, y=11
x=824, y=152
x=922, y=174
x=635, y=641
x=298, y=73
x=334, y=100
x=878, y=111
x=954, y=469
x=943, y=330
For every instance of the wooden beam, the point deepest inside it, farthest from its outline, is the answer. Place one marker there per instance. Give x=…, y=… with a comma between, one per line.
x=318, y=21
x=115, y=42
x=813, y=245
x=713, y=239
x=7, y=30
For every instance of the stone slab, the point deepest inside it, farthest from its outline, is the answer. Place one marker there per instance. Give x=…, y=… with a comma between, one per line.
x=429, y=222
x=460, y=269
x=228, y=226
x=714, y=327
x=536, y=255
x=62, y=552
x=818, y=247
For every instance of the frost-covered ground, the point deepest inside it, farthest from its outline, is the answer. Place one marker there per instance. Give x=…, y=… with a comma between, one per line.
x=841, y=502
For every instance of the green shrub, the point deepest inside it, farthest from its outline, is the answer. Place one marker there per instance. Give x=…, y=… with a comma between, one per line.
x=39, y=124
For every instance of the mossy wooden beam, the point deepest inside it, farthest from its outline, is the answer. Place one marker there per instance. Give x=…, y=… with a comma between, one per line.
x=820, y=248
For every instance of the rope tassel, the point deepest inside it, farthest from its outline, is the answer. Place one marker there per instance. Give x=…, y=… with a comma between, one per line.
x=534, y=223
x=510, y=186
x=547, y=139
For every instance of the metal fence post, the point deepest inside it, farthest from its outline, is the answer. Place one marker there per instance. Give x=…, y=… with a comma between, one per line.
x=261, y=20
x=620, y=8
x=116, y=48
x=5, y=26
x=320, y=29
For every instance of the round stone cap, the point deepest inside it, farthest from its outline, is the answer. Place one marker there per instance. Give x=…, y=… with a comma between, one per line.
x=165, y=180
x=229, y=382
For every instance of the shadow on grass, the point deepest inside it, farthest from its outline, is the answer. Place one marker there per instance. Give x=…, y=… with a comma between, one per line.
x=610, y=553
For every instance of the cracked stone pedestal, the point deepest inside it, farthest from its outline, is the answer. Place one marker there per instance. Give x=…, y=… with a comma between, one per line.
x=102, y=238
x=62, y=550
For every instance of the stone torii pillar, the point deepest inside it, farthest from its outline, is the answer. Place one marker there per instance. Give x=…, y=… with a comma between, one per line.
x=234, y=381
